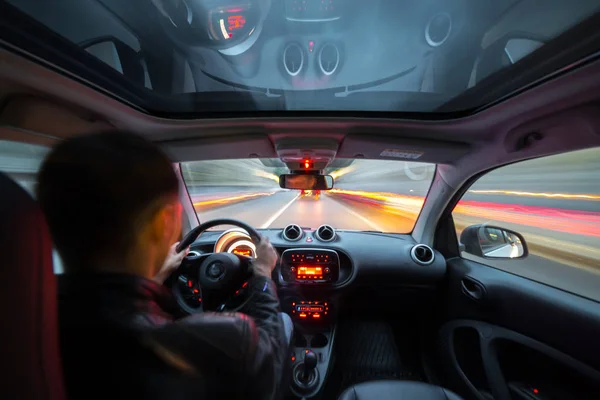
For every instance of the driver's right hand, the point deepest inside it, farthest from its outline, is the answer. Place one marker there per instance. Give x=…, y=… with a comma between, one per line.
x=266, y=258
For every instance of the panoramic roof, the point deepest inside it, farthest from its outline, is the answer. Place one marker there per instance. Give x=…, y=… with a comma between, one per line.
x=188, y=57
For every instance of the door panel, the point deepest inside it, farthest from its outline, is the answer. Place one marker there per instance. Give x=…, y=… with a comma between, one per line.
x=507, y=337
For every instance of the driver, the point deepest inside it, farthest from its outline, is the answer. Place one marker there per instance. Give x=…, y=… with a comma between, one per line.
x=111, y=202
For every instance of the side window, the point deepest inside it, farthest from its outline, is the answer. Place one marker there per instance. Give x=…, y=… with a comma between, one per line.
x=539, y=219
x=21, y=162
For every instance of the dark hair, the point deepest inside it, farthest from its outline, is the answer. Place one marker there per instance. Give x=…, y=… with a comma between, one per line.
x=94, y=188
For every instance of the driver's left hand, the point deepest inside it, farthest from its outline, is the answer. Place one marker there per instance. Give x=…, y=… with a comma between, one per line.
x=172, y=262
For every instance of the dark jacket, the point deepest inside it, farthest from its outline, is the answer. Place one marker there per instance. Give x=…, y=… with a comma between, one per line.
x=119, y=339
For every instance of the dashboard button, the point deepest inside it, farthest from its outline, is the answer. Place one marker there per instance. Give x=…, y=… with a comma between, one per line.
x=327, y=270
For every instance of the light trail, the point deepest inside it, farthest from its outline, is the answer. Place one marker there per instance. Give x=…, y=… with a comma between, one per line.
x=232, y=199
x=342, y=171
x=267, y=175
x=555, y=219
x=560, y=220
x=588, y=197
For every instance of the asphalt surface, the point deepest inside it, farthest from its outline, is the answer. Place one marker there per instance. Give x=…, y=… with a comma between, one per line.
x=283, y=208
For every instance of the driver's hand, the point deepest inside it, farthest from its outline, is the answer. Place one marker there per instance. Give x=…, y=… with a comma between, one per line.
x=172, y=262
x=266, y=258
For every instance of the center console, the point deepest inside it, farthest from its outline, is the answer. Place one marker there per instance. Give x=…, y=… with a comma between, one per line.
x=310, y=266
x=311, y=355
x=308, y=276
x=312, y=10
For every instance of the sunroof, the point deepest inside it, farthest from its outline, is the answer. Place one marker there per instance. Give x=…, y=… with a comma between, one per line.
x=195, y=56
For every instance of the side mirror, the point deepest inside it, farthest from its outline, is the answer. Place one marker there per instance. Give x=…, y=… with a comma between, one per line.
x=493, y=242
x=118, y=55
x=306, y=182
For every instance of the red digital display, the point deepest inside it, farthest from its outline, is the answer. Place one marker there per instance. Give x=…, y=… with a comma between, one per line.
x=310, y=308
x=310, y=272
x=235, y=22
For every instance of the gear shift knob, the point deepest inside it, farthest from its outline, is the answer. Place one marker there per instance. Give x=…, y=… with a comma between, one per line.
x=310, y=362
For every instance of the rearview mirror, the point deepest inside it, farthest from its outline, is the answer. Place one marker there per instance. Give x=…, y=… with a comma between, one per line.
x=306, y=182
x=493, y=242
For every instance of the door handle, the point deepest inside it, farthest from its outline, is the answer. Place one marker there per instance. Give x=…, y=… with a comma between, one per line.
x=472, y=289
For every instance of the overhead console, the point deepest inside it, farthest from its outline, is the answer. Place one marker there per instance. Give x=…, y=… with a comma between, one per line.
x=294, y=152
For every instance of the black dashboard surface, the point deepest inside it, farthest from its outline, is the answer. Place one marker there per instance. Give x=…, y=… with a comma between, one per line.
x=372, y=259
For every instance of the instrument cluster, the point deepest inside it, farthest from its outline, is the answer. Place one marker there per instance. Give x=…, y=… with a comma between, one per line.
x=236, y=241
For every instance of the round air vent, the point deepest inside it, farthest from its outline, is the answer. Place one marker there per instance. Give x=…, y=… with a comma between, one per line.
x=293, y=59
x=292, y=233
x=422, y=254
x=438, y=29
x=325, y=233
x=329, y=59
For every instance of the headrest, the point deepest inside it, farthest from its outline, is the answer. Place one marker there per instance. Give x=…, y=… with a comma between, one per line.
x=28, y=300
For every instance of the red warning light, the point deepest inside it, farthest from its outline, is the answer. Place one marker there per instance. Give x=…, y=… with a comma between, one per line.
x=307, y=164
x=536, y=391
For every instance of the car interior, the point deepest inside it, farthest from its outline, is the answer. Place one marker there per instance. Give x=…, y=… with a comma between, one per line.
x=428, y=171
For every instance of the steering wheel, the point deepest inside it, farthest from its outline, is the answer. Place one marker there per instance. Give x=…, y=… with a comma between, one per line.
x=213, y=281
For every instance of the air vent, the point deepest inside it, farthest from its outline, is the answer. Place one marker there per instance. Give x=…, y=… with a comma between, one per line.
x=438, y=29
x=292, y=233
x=293, y=59
x=325, y=233
x=422, y=254
x=329, y=59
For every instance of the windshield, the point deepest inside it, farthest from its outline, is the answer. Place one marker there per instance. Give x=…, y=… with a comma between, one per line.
x=368, y=195
x=193, y=56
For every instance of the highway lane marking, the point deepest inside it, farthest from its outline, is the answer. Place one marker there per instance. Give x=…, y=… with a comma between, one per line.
x=278, y=213
x=362, y=218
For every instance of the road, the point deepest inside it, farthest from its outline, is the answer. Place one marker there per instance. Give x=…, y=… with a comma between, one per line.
x=287, y=207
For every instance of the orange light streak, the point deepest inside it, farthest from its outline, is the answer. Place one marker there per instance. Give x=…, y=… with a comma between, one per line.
x=226, y=200
x=570, y=196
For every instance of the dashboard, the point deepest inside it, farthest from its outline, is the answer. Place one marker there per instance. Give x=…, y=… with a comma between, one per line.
x=324, y=257
x=322, y=270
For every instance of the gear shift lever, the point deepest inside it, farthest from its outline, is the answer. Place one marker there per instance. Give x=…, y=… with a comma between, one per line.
x=310, y=363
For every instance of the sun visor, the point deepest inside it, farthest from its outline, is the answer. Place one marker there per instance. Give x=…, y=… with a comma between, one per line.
x=394, y=148
x=255, y=146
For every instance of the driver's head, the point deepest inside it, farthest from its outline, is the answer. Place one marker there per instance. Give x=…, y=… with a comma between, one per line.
x=111, y=202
